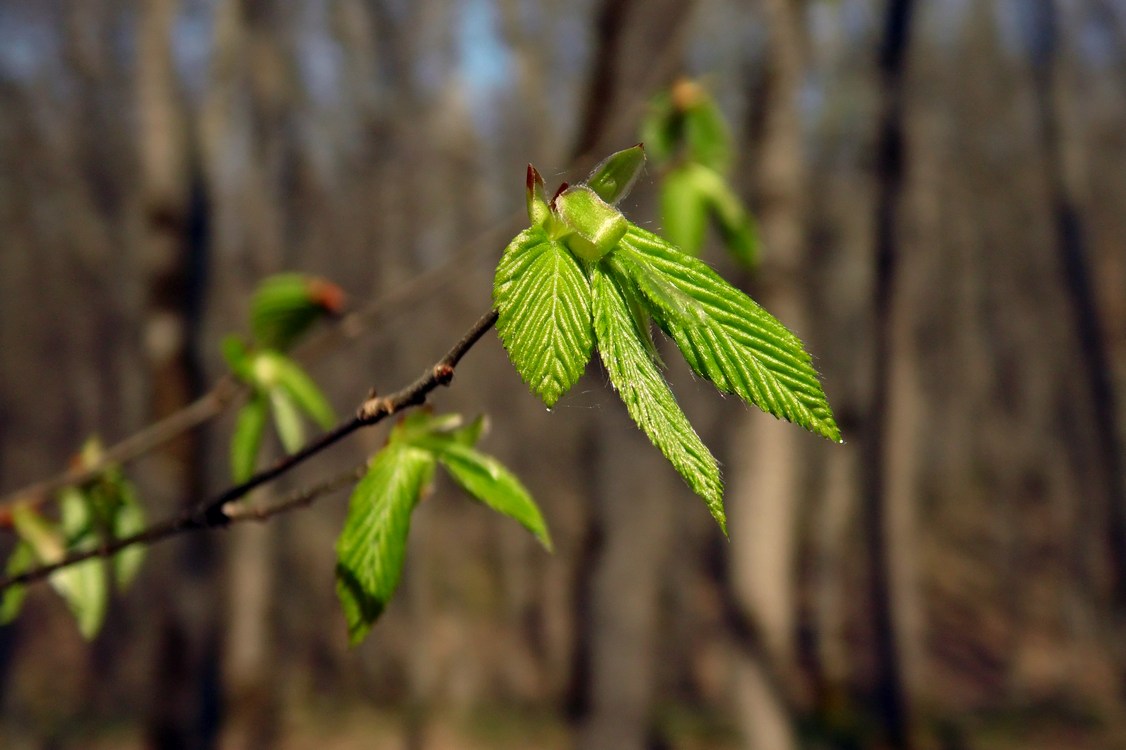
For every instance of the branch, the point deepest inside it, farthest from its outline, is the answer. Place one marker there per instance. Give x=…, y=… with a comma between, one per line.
x=216, y=513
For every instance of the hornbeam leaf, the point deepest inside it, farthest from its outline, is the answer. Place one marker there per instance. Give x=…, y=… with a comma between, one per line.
x=724, y=335
x=22, y=560
x=684, y=209
x=489, y=481
x=83, y=585
x=247, y=437
x=304, y=391
x=287, y=420
x=542, y=299
x=646, y=394
x=372, y=546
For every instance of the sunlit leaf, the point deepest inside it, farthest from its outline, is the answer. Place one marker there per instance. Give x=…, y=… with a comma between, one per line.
x=724, y=335
x=646, y=395
x=486, y=479
x=542, y=299
x=372, y=546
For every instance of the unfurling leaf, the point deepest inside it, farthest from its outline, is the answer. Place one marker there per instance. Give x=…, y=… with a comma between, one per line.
x=647, y=396
x=286, y=305
x=614, y=177
x=247, y=437
x=542, y=299
x=597, y=224
x=724, y=335
x=303, y=391
x=489, y=481
x=684, y=210
x=287, y=420
x=372, y=546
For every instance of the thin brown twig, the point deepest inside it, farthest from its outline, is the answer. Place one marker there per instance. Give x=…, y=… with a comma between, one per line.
x=215, y=512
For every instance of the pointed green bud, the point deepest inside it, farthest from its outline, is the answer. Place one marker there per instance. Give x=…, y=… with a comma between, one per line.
x=597, y=225
x=614, y=177
x=538, y=210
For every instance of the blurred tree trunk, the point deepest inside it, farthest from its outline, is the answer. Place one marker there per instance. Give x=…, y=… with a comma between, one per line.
x=1087, y=320
x=888, y=489
x=173, y=255
x=765, y=494
x=631, y=486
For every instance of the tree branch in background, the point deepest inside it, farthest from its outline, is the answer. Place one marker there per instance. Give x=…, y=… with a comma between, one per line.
x=215, y=513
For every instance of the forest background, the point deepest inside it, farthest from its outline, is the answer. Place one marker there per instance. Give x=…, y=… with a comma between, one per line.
x=941, y=195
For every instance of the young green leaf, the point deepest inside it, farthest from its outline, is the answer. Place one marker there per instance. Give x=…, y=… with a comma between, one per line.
x=303, y=391
x=129, y=519
x=660, y=128
x=21, y=560
x=372, y=546
x=535, y=200
x=684, y=210
x=542, y=299
x=287, y=420
x=706, y=134
x=724, y=335
x=237, y=357
x=286, y=305
x=489, y=481
x=646, y=394
x=615, y=175
x=247, y=437
x=83, y=586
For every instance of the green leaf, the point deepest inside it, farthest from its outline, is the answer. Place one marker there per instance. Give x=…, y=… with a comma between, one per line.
x=287, y=420
x=486, y=479
x=21, y=560
x=237, y=357
x=535, y=200
x=646, y=394
x=286, y=305
x=615, y=175
x=542, y=299
x=724, y=335
x=247, y=437
x=304, y=391
x=83, y=586
x=372, y=546
x=684, y=210
x=128, y=520
x=660, y=128
x=706, y=134
x=598, y=225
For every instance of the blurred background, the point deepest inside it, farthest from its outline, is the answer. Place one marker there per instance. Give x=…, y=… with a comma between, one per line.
x=941, y=193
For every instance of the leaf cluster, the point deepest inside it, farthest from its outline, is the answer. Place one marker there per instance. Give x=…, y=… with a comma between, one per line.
x=687, y=135
x=372, y=545
x=583, y=277
x=90, y=515
x=283, y=308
